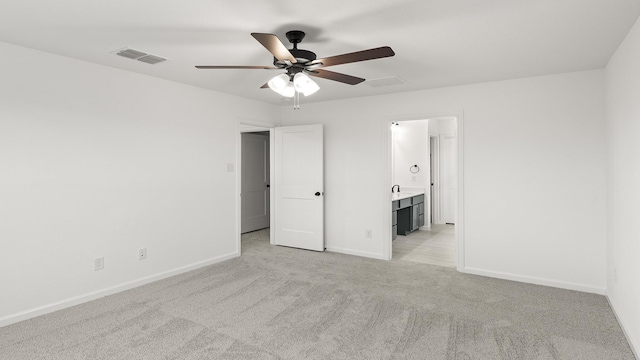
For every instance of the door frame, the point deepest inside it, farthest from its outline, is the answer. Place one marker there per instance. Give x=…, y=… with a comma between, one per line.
x=244, y=127
x=434, y=144
x=387, y=248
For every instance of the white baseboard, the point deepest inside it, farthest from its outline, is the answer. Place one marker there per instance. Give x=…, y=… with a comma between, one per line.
x=31, y=313
x=635, y=347
x=535, y=280
x=355, y=252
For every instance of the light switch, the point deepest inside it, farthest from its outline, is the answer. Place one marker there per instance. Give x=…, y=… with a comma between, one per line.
x=230, y=167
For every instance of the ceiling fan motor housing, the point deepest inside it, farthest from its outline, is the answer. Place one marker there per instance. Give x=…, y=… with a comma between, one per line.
x=302, y=56
x=295, y=36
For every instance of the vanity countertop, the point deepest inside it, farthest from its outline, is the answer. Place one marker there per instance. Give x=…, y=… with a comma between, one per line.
x=404, y=195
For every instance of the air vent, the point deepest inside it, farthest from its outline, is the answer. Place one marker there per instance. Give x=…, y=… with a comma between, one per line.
x=131, y=54
x=388, y=81
x=140, y=56
x=150, y=59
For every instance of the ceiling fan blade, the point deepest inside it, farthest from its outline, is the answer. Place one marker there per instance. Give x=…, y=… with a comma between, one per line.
x=265, y=86
x=330, y=75
x=236, y=67
x=275, y=46
x=363, y=55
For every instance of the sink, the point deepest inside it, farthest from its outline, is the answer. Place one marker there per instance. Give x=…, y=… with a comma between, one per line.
x=404, y=195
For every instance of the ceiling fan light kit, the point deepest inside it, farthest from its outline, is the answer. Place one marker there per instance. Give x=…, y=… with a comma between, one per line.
x=278, y=83
x=288, y=91
x=299, y=64
x=303, y=83
x=285, y=85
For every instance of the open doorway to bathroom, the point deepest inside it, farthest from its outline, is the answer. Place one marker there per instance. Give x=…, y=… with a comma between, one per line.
x=424, y=209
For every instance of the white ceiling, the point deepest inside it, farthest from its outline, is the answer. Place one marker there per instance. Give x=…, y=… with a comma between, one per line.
x=437, y=42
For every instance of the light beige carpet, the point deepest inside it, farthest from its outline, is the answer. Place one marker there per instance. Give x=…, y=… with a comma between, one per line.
x=282, y=303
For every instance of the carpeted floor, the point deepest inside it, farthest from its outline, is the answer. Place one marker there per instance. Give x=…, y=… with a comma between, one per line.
x=281, y=303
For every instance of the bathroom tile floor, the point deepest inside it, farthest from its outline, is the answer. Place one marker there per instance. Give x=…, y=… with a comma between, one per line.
x=436, y=246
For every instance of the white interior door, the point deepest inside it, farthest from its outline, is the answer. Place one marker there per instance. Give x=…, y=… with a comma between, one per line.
x=434, y=172
x=254, y=196
x=448, y=179
x=299, y=187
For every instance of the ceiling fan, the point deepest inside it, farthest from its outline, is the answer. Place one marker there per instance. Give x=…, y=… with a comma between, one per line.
x=299, y=63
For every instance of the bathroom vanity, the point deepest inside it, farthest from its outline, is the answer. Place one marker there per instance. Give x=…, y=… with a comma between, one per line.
x=407, y=213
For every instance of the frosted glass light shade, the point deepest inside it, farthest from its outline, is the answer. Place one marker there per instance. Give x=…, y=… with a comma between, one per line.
x=288, y=90
x=279, y=83
x=304, y=84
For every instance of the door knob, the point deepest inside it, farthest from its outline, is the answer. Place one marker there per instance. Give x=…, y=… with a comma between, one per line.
x=317, y=193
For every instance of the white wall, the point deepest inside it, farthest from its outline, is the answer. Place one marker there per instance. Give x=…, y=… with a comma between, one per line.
x=97, y=162
x=534, y=174
x=411, y=147
x=623, y=140
x=442, y=126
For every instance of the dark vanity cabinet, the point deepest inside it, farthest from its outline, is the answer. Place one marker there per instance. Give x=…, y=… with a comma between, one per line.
x=407, y=215
x=395, y=205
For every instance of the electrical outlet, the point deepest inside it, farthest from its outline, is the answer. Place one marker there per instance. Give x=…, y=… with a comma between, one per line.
x=142, y=254
x=98, y=264
x=368, y=233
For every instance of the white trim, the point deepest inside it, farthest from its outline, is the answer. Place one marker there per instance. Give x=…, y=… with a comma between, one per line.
x=459, y=227
x=46, y=309
x=427, y=190
x=238, y=189
x=257, y=125
x=244, y=128
x=635, y=347
x=357, y=252
x=385, y=198
x=536, y=281
x=272, y=174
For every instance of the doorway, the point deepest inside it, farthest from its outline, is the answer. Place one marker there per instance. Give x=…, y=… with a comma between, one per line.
x=439, y=241
x=255, y=182
x=254, y=176
x=275, y=195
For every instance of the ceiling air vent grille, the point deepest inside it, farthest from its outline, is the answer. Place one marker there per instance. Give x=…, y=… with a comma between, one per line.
x=150, y=59
x=140, y=56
